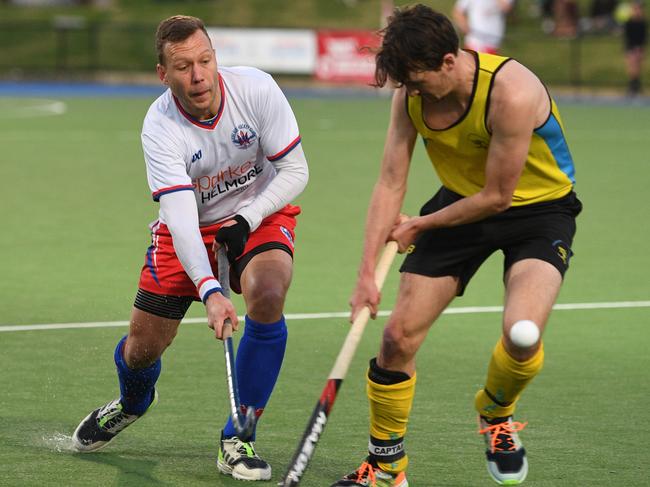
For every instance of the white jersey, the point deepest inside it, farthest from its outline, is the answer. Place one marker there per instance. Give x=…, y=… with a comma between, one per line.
x=246, y=161
x=226, y=161
x=486, y=23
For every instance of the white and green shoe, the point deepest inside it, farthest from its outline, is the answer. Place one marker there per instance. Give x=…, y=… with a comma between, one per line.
x=238, y=459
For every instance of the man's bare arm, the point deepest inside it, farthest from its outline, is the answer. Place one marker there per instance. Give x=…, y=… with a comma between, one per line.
x=514, y=111
x=386, y=200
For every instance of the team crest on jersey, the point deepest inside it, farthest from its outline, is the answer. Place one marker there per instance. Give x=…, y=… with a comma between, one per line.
x=243, y=136
x=478, y=141
x=287, y=234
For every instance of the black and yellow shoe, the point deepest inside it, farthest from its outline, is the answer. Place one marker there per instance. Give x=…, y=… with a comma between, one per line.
x=506, y=456
x=369, y=475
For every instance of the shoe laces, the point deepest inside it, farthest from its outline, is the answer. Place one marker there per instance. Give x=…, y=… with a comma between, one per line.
x=111, y=417
x=366, y=472
x=371, y=476
x=502, y=435
x=245, y=448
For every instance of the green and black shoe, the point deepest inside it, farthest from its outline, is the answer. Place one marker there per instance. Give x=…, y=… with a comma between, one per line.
x=103, y=424
x=238, y=459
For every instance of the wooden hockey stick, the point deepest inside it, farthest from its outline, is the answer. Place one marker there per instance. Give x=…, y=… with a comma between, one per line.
x=319, y=416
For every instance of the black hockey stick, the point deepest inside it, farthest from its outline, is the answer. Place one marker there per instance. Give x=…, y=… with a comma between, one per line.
x=244, y=423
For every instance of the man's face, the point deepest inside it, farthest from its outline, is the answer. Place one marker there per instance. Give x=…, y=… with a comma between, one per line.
x=431, y=84
x=190, y=71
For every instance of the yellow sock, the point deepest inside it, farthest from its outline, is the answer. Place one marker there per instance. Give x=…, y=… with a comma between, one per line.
x=390, y=395
x=506, y=379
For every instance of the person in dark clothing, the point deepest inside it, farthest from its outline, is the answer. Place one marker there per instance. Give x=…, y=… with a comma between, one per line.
x=635, y=38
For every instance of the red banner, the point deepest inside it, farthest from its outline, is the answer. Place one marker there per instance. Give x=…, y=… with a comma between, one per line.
x=346, y=56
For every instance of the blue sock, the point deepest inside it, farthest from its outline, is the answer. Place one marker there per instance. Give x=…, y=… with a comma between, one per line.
x=136, y=386
x=258, y=362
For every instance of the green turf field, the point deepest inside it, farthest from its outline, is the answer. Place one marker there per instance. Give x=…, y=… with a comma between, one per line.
x=75, y=205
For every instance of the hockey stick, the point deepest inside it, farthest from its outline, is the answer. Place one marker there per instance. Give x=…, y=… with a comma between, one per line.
x=319, y=416
x=244, y=425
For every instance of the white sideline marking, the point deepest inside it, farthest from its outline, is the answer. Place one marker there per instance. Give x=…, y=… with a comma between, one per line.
x=31, y=107
x=340, y=314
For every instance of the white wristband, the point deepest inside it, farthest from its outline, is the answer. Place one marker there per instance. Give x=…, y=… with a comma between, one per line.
x=207, y=286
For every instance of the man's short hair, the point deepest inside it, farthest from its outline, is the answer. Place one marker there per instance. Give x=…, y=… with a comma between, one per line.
x=176, y=29
x=415, y=39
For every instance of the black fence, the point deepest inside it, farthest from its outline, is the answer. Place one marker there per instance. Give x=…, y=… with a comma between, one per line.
x=71, y=46
x=75, y=47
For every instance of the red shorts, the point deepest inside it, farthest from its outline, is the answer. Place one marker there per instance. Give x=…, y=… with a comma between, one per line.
x=162, y=272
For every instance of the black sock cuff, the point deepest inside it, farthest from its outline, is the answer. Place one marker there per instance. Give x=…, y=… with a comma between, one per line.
x=383, y=376
x=495, y=400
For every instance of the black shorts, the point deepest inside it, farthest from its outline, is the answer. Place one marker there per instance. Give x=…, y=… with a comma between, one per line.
x=542, y=231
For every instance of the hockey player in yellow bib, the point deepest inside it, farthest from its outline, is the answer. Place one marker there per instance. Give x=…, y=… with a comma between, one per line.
x=496, y=140
x=458, y=153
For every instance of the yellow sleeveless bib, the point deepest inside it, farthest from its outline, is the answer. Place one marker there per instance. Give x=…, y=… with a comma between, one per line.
x=459, y=152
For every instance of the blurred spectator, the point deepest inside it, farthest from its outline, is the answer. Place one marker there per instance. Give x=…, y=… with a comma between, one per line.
x=602, y=8
x=566, y=16
x=635, y=38
x=546, y=6
x=601, y=15
x=482, y=22
x=546, y=12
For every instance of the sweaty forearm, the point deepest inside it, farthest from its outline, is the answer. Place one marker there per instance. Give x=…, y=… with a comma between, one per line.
x=383, y=210
x=466, y=210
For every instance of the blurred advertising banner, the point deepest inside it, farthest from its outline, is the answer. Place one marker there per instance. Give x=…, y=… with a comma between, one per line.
x=274, y=50
x=346, y=56
x=330, y=55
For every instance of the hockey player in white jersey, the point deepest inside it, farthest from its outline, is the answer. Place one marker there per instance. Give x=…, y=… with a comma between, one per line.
x=482, y=22
x=224, y=160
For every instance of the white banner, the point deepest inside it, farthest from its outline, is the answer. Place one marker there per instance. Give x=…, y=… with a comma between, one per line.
x=273, y=50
